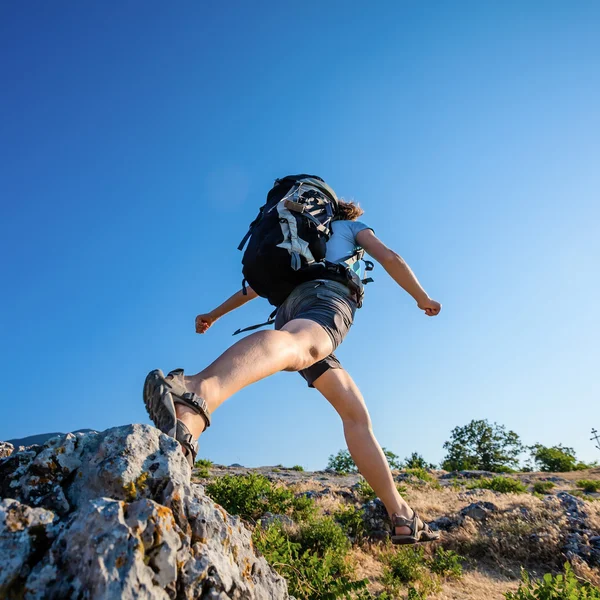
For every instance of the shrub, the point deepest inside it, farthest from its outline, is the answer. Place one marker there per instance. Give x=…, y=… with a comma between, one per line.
x=416, y=461
x=310, y=575
x=542, y=487
x=342, y=463
x=555, y=459
x=589, y=485
x=558, y=587
x=447, y=563
x=424, y=476
x=365, y=492
x=408, y=566
x=321, y=534
x=481, y=445
x=297, y=468
x=505, y=485
x=393, y=459
x=404, y=565
x=250, y=496
x=351, y=520
x=202, y=467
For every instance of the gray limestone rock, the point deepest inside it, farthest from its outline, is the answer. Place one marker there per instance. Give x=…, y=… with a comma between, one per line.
x=6, y=449
x=479, y=511
x=114, y=515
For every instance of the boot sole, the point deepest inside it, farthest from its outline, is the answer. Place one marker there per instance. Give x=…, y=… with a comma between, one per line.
x=159, y=403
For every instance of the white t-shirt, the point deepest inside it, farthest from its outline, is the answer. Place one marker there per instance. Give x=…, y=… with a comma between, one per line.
x=342, y=245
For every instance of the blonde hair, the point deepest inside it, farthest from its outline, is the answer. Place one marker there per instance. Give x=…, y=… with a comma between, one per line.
x=348, y=211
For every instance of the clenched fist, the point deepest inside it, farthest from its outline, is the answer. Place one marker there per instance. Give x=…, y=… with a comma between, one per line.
x=431, y=307
x=203, y=322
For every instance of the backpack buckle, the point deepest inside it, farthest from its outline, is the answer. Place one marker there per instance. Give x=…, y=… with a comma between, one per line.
x=294, y=206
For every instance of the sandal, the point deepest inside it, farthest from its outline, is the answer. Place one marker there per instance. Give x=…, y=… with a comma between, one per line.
x=161, y=394
x=419, y=531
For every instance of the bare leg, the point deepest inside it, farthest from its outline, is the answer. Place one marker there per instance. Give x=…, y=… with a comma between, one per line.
x=299, y=344
x=340, y=390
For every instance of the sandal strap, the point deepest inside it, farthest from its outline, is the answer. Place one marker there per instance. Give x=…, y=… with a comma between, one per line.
x=196, y=403
x=186, y=439
x=190, y=399
x=412, y=523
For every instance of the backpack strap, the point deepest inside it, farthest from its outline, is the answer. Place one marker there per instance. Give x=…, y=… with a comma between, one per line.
x=253, y=327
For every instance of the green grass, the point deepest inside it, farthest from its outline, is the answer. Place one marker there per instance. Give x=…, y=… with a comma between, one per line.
x=202, y=467
x=447, y=563
x=297, y=468
x=504, y=485
x=589, y=485
x=542, y=487
x=365, y=491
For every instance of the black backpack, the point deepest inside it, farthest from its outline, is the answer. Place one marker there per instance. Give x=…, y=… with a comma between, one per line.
x=288, y=237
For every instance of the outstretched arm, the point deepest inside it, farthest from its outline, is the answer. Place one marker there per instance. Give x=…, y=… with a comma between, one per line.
x=203, y=322
x=398, y=270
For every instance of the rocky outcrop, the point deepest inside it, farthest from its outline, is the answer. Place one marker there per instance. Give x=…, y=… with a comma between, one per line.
x=6, y=449
x=114, y=515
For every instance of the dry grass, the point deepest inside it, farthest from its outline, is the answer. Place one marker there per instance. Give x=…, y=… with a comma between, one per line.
x=526, y=530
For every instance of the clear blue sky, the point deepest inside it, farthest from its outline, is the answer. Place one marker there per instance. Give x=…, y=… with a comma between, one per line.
x=139, y=138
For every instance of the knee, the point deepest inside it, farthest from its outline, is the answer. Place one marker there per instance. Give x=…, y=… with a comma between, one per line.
x=302, y=354
x=357, y=419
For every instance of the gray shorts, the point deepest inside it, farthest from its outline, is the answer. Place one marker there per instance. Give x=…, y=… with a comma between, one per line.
x=330, y=304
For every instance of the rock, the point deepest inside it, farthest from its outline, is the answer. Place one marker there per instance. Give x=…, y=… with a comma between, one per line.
x=6, y=449
x=24, y=533
x=376, y=520
x=479, y=511
x=444, y=523
x=115, y=514
x=269, y=518
x=469, y=475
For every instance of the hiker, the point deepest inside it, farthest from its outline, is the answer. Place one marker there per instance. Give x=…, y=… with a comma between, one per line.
x=303, y=255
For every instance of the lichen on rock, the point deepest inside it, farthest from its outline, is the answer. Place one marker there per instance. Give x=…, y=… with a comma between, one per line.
x=114, y=514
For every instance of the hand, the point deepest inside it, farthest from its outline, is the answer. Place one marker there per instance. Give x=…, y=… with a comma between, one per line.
x=431, y=307
x=203, y=322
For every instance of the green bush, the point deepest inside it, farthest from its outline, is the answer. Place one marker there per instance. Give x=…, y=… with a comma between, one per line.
x=365, y=492
x=446, y=563
x=321, y=534
x=505, y=485
x=202, y=467
x=416, y=461
x=311, y=575
x=393, y=459
x=342, y=463
x=589, y=485
x=250, y=496
x=404, y=565
x=542, y=487
x=351, y=520
x=564, y=586
x=297, y=468
x=422, y=475
x=408, y=566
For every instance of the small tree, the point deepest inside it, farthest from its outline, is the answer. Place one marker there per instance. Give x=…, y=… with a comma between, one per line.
x=416, y=461
x=555, y=459
x=342, y=462
x=393, y=459
x=481, y=445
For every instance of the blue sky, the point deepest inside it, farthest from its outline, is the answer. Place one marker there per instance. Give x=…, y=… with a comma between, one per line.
x=139, y=139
